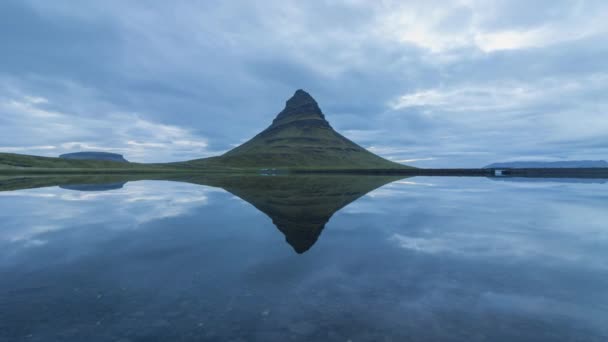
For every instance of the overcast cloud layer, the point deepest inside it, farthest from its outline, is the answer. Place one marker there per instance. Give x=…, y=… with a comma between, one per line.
x=428, y=83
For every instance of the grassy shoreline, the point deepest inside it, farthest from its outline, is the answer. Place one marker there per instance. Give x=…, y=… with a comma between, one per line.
x=18, y=164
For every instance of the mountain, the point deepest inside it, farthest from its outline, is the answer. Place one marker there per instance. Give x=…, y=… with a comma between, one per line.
x=548, y=165
x=104, y=156
x=301, y=137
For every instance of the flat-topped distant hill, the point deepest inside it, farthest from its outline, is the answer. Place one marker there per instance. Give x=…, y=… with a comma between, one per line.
x=13, y=163
x=93, y=155
x=106, y=156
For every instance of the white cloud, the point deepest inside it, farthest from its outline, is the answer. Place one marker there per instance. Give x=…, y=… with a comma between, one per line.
x=443, y=26
x=25, y=149
x=504, y=95
x=490, y=111
x=56, y=132
x=137, y=203
x=471, y=98
x=510, y=40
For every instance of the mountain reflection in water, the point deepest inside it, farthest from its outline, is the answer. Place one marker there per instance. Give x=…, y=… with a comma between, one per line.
x=192, y=258
x=299, y=206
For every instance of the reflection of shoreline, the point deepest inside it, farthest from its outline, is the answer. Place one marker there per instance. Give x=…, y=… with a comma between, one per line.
x=22, y=182
x=509, y=172
x=93, y=187
x=551, y=180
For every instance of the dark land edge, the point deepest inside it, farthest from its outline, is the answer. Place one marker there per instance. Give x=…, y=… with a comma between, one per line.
x=538, y=173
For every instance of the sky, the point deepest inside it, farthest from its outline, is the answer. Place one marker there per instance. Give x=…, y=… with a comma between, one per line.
x=459, y=83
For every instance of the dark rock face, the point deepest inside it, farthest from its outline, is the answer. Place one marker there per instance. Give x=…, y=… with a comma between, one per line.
x=550, y=165
x=301, y=103
x=103, y=156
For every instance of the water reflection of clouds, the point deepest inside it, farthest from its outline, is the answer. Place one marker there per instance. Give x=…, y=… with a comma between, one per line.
x=550, y=224
x=499, y=262
x=490, y=244
x=558, y=223
x=26, y=193
x=126, y=208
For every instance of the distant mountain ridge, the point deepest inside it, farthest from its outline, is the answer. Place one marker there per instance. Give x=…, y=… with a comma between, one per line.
x=558, y=164
x=103, y=156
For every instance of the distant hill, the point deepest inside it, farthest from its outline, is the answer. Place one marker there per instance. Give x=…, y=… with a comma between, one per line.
x=300, y=137
x=543, y=165
x=10, y=162
x=104, y=156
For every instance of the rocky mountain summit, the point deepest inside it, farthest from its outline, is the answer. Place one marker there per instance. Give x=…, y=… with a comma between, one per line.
x=300, y=105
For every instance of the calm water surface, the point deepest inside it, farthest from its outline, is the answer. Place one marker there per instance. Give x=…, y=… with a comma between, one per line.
x=303, y=259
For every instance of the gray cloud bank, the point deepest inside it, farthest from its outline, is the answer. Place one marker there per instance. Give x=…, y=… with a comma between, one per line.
x=454, y=84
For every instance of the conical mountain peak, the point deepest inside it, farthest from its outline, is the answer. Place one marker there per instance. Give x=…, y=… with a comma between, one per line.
x=300, y=136
x=299, y=98
x=300, y=104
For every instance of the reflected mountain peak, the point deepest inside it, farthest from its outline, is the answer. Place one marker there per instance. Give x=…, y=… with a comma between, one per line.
x=299, y=206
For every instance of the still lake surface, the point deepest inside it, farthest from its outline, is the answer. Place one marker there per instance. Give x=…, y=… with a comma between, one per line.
x=323, y=258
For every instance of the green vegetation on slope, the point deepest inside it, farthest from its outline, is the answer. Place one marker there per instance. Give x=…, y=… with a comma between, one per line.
x=11, y=163
x=19, y=163
x=300, y=138
x=16, y=161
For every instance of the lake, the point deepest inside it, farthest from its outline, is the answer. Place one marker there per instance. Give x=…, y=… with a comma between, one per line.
x=303, y=258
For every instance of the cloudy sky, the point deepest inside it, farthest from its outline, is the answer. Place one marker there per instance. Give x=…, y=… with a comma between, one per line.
x=430, y=83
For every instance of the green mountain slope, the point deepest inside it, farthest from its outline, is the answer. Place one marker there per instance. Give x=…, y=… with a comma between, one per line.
x=301, y=137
